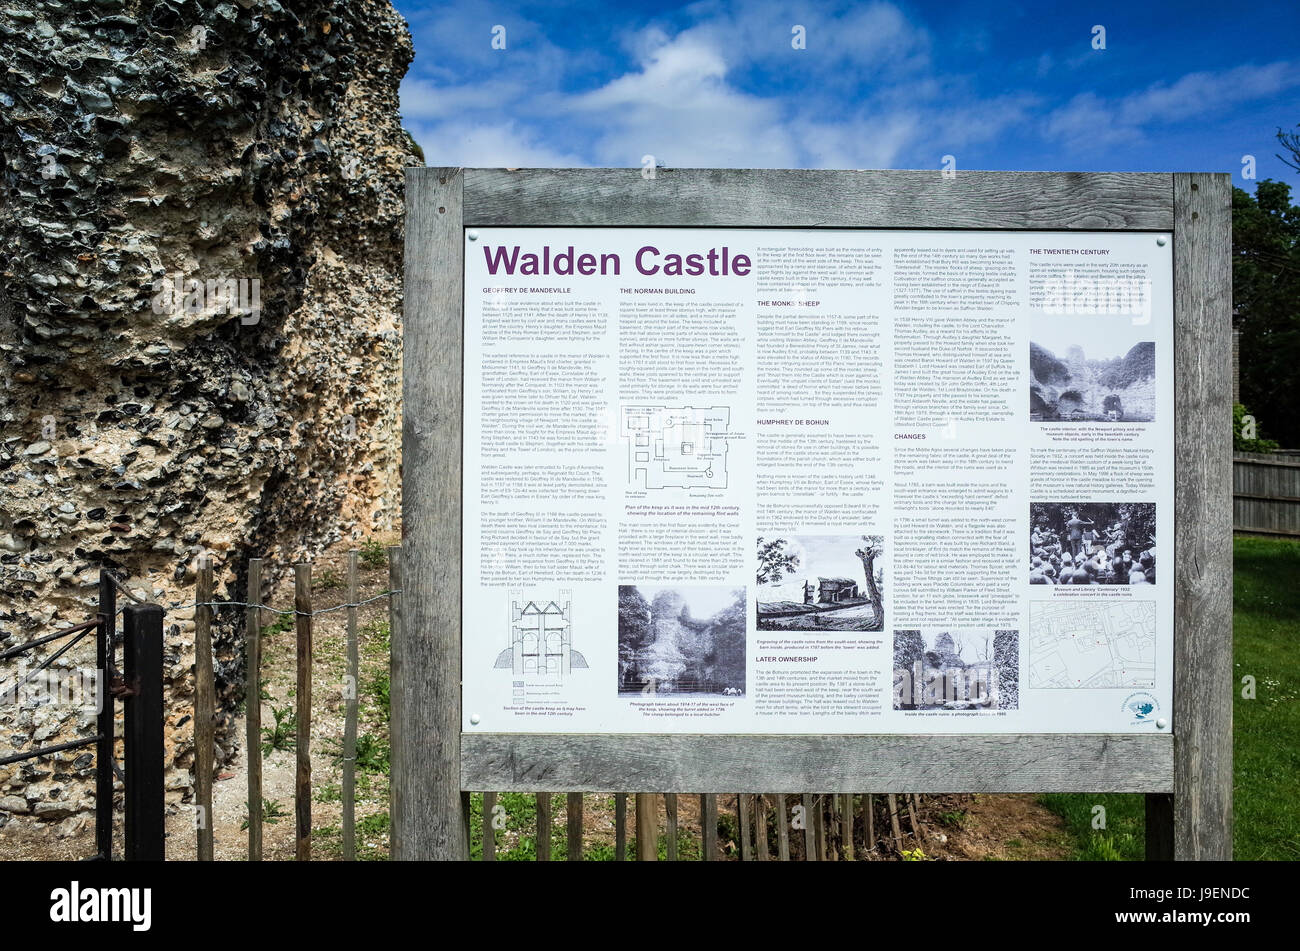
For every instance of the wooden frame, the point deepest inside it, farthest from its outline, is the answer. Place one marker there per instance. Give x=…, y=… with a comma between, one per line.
x=1187, y=776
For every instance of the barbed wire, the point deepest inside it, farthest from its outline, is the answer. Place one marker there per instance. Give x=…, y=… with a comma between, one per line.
x=216, y=605
x=267, y=607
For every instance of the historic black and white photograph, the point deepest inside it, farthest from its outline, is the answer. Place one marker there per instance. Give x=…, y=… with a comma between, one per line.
x=821, y=583
x=1091, y=369
x=956, y=670
x=1092, y=543
x=681, y=640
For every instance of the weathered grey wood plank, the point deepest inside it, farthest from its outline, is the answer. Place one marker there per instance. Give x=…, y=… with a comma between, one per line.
x=647, y=827
x=253, y=707
x=620, y=827
x=302, y=699
x=782, y=830
x=910, y=800
x=425, y=797
x=670, y=818
x=1203, y=683
x=846, y=827
x=709, y=826
x=809, y=198
x=742, y=817
x=573, y=826
x=869, y=819
x=489, y=830
x=350, y=717
x=893, y=821
x=819, y=827
x=397, y=736
x=544, y=827
x=941, y=763
x=809, y=830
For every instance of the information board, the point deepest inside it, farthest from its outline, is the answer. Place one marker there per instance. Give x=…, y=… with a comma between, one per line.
x=767, y=481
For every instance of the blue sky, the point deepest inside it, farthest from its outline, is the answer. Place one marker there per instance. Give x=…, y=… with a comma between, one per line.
x=1182, y=86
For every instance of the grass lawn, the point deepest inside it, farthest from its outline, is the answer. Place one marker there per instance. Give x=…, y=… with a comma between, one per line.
x=1266, y=729
x=1121, y=839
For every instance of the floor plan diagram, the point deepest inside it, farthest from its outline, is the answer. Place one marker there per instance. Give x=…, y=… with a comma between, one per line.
x=676, y=447
x=1092, y=645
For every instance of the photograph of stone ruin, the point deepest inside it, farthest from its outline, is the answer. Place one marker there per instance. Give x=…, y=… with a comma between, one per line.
x=1097, y=378
x=821, y=583
x=680, y=640
x=956, y=670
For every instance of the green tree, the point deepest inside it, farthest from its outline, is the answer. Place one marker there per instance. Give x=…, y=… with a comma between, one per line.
x=1291, y=142
x=1006, y=659
x=729, y=642
x=873, y=546
x=909, y=647
x=1266, y=298
x=1246, y=438
x=774, y=561
x=634, y=631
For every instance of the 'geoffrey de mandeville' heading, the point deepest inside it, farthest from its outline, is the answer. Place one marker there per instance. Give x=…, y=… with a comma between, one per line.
x=649, y=260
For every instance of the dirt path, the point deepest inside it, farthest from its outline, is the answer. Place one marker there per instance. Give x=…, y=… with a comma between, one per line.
x=985, y=827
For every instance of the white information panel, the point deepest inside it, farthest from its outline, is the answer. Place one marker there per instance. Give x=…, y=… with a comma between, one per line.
x=813, y=481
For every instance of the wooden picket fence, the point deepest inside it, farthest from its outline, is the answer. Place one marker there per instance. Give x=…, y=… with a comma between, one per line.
x=819, y=827
x=205, y=703
x=816, y=827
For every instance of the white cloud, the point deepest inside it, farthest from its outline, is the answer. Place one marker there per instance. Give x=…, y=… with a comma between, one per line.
x=504, y=145
x=869, y=38
x=727, y=90
x=679, y=108
x=1089, y=121
x=423, y=99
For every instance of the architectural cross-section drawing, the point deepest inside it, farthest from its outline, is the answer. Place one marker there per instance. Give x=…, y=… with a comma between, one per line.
x=541, y=641
x=676, y=447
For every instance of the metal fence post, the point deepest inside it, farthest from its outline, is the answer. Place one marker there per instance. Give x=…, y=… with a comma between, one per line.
x=143, y=728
